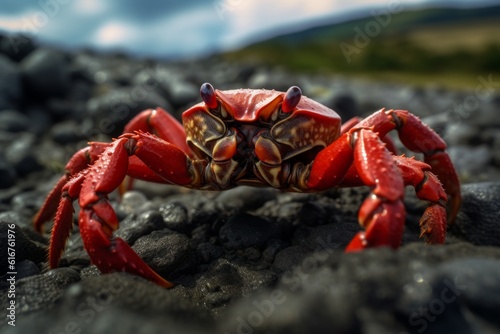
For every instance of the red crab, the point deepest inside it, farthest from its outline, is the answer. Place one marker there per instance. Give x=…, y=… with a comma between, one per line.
x=259, y=138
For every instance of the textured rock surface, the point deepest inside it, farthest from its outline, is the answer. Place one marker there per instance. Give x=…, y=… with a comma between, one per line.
x=247, y=260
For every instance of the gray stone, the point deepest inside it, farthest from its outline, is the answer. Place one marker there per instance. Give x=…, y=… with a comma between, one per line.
x=244, y=230
x=478, y=220
x=244, y=198
x=112, y=111
x=25, y=248
x=46, y=73
x=13, y=121
x=135, y=226
x=175, y=216
x=10, y=86
x=166, y=252
x=21, y=154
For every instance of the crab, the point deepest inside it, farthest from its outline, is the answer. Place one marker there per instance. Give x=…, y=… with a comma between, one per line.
x=259, y=138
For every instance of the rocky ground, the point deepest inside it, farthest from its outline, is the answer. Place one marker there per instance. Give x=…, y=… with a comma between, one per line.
x=247, y=260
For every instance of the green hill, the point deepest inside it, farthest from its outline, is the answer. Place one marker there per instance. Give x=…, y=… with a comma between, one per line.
x=443, y=45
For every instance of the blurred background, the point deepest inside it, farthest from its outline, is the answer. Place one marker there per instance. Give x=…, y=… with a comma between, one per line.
x=415, y=41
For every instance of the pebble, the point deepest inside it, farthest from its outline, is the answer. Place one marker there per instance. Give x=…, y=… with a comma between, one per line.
x=13, y=121
x=11, y=89
x=478, y=220
x=244, y=198
x=112, y=111
x=166, y=252
x=469, y=160
x=26, y=249
x=8, y=173
x=16, y=46
x=166, y=82
x=66, y=132
x=45, y=73
x=175, y=216
x=245, y=230
x=21, y=155
x=345, y=105
x=132, y=202
x=136, y=225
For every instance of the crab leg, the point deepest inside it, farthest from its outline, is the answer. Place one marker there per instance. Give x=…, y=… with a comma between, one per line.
x=161, y=123
x=418, y=137
x=156, y=121
x=164, y=125
x=97, y=218
x=63, y=221
x=355, y=121
x=382, y=214
x=427, y=187
x=77, y=163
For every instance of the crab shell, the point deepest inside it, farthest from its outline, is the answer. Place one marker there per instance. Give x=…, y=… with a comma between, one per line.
x=250, y=138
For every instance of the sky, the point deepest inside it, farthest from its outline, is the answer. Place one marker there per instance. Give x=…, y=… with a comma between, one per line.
x=180, y=28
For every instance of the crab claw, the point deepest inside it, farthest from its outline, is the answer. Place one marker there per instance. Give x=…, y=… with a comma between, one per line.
x=98, y=220
x=383, y=225
x=112, y=254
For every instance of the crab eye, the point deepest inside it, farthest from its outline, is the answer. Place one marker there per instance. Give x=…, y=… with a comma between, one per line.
x=292, y=98
x=207, y=93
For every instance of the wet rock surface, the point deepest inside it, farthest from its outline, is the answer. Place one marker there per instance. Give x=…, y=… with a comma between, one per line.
x=246, y=260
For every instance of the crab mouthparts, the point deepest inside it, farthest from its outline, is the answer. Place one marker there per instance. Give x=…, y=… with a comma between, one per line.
x=247, y=137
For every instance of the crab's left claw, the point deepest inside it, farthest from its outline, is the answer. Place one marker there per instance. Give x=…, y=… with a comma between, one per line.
x=112, y=254
x=97, y=218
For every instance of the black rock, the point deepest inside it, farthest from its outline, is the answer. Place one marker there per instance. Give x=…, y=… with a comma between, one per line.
x=209, y=252
x=25, y=249
x=66, y=132
x=345, y=105
x=27, y=202
x=224, y=282
x=40, y=119
x=8, y=174
x=16, y=47
x=417, y=288
x=175, y=216
x=10, y=85
x=62, y=109
x=245, y=230
x=478, y=220
x=470, y=160
x=166, y=252
x=112, y=111
x=133, y=202
x=13, y=121
x=135, y=226
x=22, y=156
x=40, y=292
x=473, y=282
x=244, y=198
x=312, y=213
x=113, y=303
x=26, y=268
x=288, y=258
x=24, y=222
x=332, y=236
x=270, y=79
x=175, y=87
x=46, y=73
